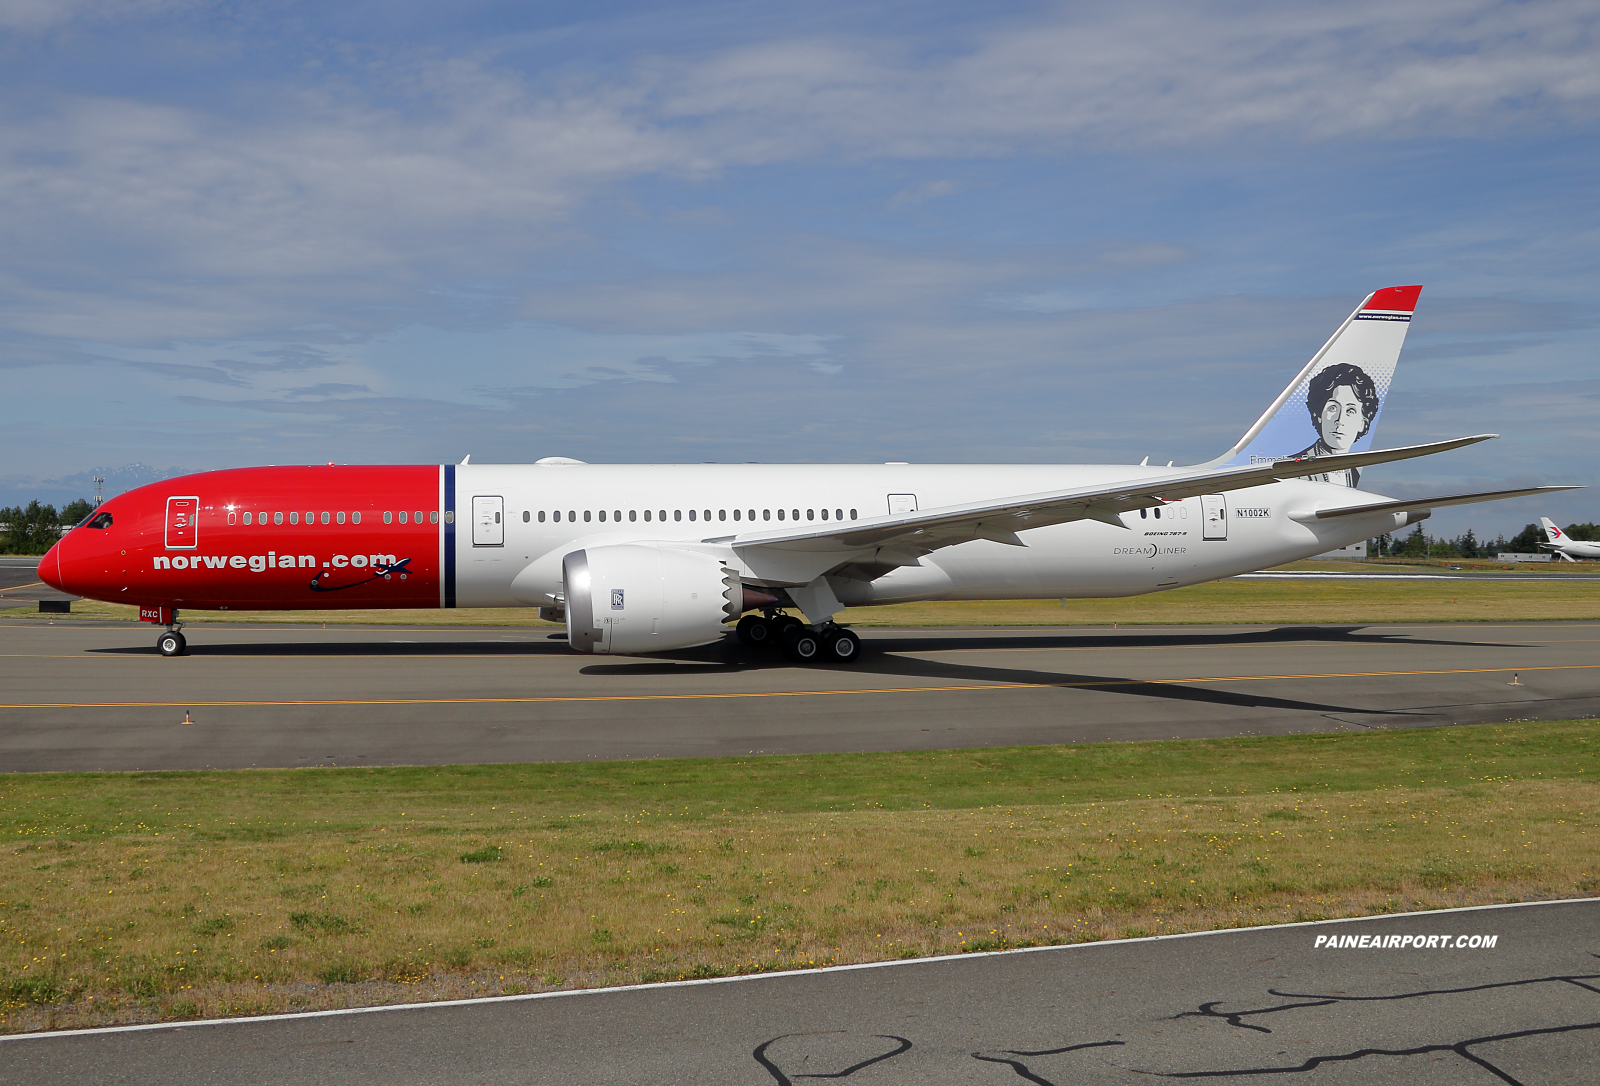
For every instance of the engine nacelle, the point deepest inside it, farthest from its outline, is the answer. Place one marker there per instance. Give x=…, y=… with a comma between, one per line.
x=633, y=598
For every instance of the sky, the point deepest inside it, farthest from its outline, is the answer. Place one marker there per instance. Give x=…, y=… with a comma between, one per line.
x=239, y=234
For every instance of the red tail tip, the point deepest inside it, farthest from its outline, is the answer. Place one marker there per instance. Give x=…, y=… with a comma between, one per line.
x=1395, y=299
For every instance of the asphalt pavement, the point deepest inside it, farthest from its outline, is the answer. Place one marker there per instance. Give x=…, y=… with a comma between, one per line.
x=1265, y=1005
x=89, y=694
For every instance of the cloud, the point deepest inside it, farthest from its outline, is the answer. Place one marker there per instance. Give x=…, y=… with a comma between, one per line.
x=345, y=196
x=921, y=194
x=1142, y=75
x=179, y=372
x=40, y=16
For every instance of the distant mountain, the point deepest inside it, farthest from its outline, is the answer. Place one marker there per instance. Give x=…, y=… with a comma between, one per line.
x=21, y=489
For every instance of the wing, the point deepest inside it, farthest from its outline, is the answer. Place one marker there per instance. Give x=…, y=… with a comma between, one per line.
x=1435, y=503
x=902, y=538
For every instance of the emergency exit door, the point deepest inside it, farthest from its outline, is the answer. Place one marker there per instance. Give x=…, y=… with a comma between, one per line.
x=488, y=521
x=902, y=503
x=1216, y=514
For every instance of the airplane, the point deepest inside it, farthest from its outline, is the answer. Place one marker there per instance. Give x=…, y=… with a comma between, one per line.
x=1568, y=548
x=647, y=558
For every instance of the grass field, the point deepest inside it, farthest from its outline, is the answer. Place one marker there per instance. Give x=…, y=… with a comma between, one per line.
x=1542, y=595
x=130, y=897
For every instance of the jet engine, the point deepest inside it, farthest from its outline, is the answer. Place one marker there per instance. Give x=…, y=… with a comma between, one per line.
x=632, y=598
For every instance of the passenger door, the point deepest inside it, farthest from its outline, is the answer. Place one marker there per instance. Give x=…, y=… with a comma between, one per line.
x=488, y=521
x=183, y=528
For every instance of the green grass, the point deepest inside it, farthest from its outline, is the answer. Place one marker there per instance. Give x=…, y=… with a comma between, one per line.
x=136, y=896
x=265, y=805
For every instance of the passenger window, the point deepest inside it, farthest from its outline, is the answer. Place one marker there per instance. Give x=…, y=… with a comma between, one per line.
x=722, y=514
x=1144, y=514
x=526, y=516
x=633, y=515
x=677, y=514
x=838, y=514
x=1158, y=512
x=388, y=517
x=736, y=514
x=691, y=514
x=824, y=514
x=327, y=518
x=811, y=515
x=616, y=515
x=766, y=514
x=780, y=514
x=294, y=518
x=796, y=514
x=433, y=516
x=572, y=514
x=247, y=518
x=277, y=518
x=355, y=518
x=661, y=515
x=752, y=515
x=586, y=516
x=852, y=514
x=338, y=517
x=647, y=514
x=541, y=516
x=602, y=516
x=708, y=514
x=557, y=516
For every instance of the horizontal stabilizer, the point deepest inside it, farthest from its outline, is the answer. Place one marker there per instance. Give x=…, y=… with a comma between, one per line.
x=1437, y=502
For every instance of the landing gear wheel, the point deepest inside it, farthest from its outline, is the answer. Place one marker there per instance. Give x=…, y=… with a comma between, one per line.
x=841, y=647
x=800, y=644
x=781, y=624
x=171, y=643
x=754, y=631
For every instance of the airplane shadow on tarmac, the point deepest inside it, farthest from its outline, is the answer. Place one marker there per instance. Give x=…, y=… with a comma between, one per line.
x=882, y=657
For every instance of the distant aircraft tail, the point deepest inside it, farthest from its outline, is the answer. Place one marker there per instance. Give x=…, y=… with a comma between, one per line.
x=1557, y=539
x=1332, y=405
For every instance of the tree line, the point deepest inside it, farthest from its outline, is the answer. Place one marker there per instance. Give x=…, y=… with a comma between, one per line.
x=35, y=528
x=1468, y=545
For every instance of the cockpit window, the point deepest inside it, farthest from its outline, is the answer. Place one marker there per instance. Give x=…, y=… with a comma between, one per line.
x=99, y=520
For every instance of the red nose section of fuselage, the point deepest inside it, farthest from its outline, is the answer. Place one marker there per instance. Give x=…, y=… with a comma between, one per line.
x=50, y=568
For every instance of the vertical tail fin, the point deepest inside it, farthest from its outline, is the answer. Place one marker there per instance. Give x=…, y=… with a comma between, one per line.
x=1333, y=404
x=1551, y=532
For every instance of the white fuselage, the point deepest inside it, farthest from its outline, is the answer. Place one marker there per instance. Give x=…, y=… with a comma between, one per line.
x=1186, y=542
x=1572, y=549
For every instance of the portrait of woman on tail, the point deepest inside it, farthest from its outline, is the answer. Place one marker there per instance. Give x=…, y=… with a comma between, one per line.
x=1343, y=402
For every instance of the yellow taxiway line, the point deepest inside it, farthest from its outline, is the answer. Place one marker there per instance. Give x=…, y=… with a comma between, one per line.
x=983, y=688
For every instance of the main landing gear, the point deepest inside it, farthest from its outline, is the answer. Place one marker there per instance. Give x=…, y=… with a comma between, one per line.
x=823, y=643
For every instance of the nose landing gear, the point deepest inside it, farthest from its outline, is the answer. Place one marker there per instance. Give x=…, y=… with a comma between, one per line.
x=171, y=642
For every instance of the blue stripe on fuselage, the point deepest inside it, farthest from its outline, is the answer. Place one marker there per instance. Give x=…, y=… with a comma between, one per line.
x=449, y=535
